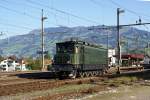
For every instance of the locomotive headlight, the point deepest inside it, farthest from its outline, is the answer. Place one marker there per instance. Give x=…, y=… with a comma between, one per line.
x=68, y=62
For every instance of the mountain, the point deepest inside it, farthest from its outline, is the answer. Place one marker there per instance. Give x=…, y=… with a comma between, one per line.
x=28, y=44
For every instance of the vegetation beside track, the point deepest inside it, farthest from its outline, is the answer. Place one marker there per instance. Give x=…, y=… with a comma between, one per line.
x=73, y=89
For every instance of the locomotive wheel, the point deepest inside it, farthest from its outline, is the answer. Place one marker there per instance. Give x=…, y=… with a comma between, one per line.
x=87, y=74
x=92, y=74
x=81, y=74
x=99, y=73
x=103, y=72
x=74, y=75
x=96, y=73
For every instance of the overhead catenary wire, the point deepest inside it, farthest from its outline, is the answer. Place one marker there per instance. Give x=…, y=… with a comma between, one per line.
x=118, y=5
x=17, y=26
x=55, y=15
x=38, y=8
x=15, y=11
x=63, y=12
x=100, y=5
x=130, y=11
x=97, y=3
x=8, y=2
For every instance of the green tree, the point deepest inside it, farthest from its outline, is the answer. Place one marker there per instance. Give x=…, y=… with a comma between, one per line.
x=1, y=58
x=34, y=64
x=48, y=56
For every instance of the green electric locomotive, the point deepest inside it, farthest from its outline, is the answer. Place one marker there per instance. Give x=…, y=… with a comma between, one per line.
x=78, y=58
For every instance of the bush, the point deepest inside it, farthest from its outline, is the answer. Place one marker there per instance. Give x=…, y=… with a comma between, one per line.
x=49, y=67
x=34, y=64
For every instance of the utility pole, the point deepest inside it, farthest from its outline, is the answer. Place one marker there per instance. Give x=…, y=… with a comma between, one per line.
x=119, y=11
x=148, y=48
x=42, y=32
x=107, y=48
x=118, y=37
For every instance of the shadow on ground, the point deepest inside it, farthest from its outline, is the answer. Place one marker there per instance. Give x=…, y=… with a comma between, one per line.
x=51, y=75
x=145, y=75
x=37, y=75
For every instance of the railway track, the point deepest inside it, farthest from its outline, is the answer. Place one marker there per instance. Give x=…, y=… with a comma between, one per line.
x=23, y=85
x=8, y=74
x=9, y=89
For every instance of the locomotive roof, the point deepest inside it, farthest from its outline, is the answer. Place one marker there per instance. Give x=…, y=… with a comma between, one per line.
x=80, y=42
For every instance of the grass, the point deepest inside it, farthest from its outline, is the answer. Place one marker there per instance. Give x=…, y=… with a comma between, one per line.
x=122, y=84
x=123, y=93
x=122, y=88
x=119, y=81
x=59, y=90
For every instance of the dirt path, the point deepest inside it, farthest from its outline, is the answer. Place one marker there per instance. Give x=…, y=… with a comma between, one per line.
x=116, y=89
x=122, y=93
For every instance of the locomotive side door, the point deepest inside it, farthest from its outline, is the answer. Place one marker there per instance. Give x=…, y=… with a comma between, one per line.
x=82, y=57
x=77, y=53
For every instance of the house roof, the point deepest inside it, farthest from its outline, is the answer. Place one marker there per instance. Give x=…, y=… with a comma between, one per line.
x=133, y=56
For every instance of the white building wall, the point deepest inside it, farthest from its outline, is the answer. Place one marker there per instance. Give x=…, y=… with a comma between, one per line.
x=111, y=56
x=146, y=60
x=9, y=65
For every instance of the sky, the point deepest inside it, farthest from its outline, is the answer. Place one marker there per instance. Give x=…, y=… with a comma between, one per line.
x=19, y=17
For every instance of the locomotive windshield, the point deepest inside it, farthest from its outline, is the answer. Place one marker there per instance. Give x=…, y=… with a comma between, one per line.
x=65, y=48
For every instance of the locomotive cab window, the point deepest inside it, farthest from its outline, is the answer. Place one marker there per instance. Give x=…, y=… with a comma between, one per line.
x=65, y=48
